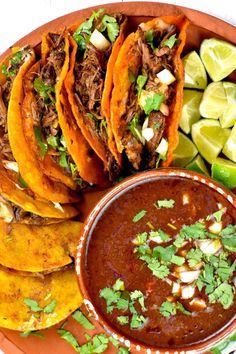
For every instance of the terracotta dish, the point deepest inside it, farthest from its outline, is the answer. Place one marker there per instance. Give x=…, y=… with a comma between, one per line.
x=201, y=26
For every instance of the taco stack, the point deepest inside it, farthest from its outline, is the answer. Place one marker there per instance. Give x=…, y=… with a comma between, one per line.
x=148, y=88
x=89, y=81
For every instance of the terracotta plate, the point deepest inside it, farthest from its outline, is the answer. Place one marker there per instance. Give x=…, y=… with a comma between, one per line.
x=202, y=26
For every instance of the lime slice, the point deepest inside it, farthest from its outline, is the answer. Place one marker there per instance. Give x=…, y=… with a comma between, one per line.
x=185, y=151
x=198, y=165
x=209, y=138
x=228, y=118
x=214, y=101
x=219, y=58
x=230, y=146
x=190, y=112
x=224, y=171
x=194, y=71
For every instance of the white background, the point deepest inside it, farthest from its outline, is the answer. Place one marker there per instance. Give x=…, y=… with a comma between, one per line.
x=19, y=17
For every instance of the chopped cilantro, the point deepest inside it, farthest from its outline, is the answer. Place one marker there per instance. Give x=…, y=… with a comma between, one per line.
x=16, y=58
x=165, y=203
x=159, y=270
x=114, y=341
x=123, y=304
x=168, y=308
x=53, y=141
x=223, y=293
x=195, y=231
x=119, y=285
x=181, y=308
x=217, y=215
x=43, y=89
x=100, y=343
x=4, y=70
x=70, y=338
x=170, y=42
x=229, y=242
x=73, y=168
x=138, y=295
x=63, y=159
x=153, y=103
x=160, y=233
x=179, y=241
x=141, y=81
x=229, y=230
x=123, y=350
x=32, y=333
x=33, y=305
x=143, y=249
x=136, y=129
x=50, y=307
x=110, y=24
x=177, y=260
x=141, y=239
x=82, y=320
x=131, y=75
x=164, y=253
x=22, y=182
x=38, y=136
x=139, y=216
x=194, y=257
x=225, y=270
x=123, y=320
x=137, y=321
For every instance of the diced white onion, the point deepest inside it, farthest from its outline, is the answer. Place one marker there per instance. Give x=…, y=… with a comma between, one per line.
x=176, y=288
x=11, y=165
x=6, y=212
x=164, y=109
x=99, y=40
x=189, y=276
x=216, y=227
x=148, y=134
x=187, y=292
x=58, y=206
x=185, y=199
x=156, y=239
x=209, y=246
x=162, y=148
x=197, y=304
x=145, y=123
x=166, y=77
x=168, y=281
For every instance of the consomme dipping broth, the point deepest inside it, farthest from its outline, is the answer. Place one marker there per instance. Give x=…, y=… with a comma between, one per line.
x=160, y=262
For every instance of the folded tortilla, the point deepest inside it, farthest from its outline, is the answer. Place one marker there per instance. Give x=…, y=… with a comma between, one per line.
x=89, y=81
x=146, y=104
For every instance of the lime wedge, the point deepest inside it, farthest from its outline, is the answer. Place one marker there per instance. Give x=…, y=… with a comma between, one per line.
x=214, y=101
x=219, y=58
x=209, y=138
x=194, y=71
x=230, y=146
x=198, y=165
x=228, y=118
x=185, y=151
x=224, y=171
x=190, y=112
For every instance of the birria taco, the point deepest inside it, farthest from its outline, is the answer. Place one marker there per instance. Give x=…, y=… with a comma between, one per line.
x=89, y=81
x=148, y=90
x=55, y=139
x=15, y=151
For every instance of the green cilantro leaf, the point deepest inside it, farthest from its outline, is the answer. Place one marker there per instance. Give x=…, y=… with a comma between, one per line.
x=170, y=42
x=181, y=308
x=4, y=70
x=63, y=160
x=32, y=333
x=109, y=295
x=70, y=338
x=119, y=285
x=137, y=321
x=141, y=81
x=159, y=233
x=164, y=253
x=194, y=257
x=224, y=294
x=53, y=141
x=166, y=203
x=141, y=239
x=81, y=319
x=123, y=320
x=100, y=343
x=33, y=305
x=114, y=342
x=38, y=136
x=159, y=270
x=177, y=260
x=123, y=304
x=112, y=27
x=217, y=215
x=229, y=243
x=138, y=295
x=153, y=103
x=195, y=231
x=135, y=129
x=179, y=240
x=131, y=75
x=16, y=58
x=225, y=270
x=43, y=89
x=123, y=350
x=22, y=182
x=229, y=230
x=168, y=309
x=139, y=216
x=50, y=307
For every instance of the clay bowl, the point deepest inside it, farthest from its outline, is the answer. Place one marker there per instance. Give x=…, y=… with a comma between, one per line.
x=87, y=233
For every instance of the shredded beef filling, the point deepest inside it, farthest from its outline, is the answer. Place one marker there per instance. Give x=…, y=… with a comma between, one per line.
x=142, y=155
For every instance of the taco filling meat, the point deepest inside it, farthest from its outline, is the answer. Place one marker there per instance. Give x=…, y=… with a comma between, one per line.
x=47, y=130
x=96, y=39
x=142, y=112
x=9, y=70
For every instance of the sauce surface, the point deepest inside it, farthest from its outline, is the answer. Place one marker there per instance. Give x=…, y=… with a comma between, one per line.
x=110, y=256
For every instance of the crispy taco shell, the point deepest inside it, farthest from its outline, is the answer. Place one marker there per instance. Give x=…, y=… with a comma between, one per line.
x=129, y=61
x=43, y=248
x=102, y=149
x=29, y=167
x=61, y=286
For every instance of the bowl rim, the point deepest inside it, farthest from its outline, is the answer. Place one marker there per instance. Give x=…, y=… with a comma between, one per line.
x=127, y=183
